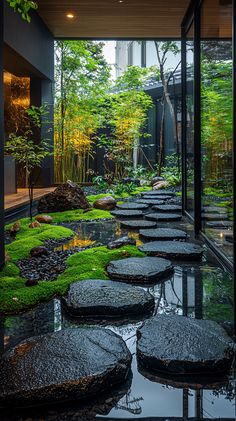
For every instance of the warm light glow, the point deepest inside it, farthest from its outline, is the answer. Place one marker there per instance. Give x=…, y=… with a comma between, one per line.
x=221, y=235
x=70, y=15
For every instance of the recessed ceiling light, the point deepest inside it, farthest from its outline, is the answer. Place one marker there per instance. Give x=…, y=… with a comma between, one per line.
x=121, y=1
x=70, y=15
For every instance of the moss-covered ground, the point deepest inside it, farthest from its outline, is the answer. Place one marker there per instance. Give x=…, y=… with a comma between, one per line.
x=89, y=264
x=16, y=297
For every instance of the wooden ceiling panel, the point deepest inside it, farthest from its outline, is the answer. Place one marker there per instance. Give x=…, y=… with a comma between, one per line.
x=114, y=18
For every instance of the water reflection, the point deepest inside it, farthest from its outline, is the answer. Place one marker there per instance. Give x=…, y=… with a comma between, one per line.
x=203, y=291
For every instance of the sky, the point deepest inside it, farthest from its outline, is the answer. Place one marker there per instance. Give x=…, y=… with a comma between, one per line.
x=110, y=55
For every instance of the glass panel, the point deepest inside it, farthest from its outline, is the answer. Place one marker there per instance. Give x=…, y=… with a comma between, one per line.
x=190, y=120
x=216, y=123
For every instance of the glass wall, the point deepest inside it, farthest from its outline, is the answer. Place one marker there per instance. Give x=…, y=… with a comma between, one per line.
x=216, y=123
x=190, y=120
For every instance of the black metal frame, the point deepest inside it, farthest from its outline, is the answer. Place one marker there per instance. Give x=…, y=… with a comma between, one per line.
x=194, y=15
x=2, y=250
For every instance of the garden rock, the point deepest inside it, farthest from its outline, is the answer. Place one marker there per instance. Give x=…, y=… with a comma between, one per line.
x=35, y=224
x=15, y=228
x=39, y=251
x=66, y=196
x=120, y=242
x=142, y=270
x=101, y=298
x=163, y=234
x=163, y=217
x=160, y=185
x=137, y=224
x=129, y=180
x=183, y=345
x=71, y=364
x=173, y=250
x=44, y=219
x=156, y=180
x=127, y=213
x=167, y=208
x=106, y=203
x=132, y=206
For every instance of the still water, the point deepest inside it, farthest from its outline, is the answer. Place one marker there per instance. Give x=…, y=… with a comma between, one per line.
x=196, y=290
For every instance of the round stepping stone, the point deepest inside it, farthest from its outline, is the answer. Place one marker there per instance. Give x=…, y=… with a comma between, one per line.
x=127, y=213
x=220, y=224
x=173, y=250
x=141, y=270
x=99, y=298
x=164, y=197
x=163, y=234
x=158, y=193
x=182, y=345
x=167, y=208
x=163, y=217
x=138, y=224
x=215, y=216
x=215, y=209
x=133, y=206
x=71, y=364
x=151, y=202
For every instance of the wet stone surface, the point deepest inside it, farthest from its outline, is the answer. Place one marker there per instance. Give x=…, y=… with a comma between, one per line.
x=155, y=216
x=141, y=270
x=158, y=193
x=103, y=298
x=127, y=213
x=160, y=197
x=173, y=250
x=137, y=224
x=68, y=365
x=163, y=234
x=215, y=216
x=151, y=202
x=132, y=206
x=178, y=344
x=167, y=208
x=120, y=242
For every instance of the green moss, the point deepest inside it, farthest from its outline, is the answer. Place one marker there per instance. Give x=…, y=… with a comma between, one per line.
x=80, y=215
x=91, y=264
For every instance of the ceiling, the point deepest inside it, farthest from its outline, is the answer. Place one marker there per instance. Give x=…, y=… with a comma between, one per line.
x=113, y=18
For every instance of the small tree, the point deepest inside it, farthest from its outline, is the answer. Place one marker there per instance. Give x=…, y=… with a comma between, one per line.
x=23, y=7
x=28, y=154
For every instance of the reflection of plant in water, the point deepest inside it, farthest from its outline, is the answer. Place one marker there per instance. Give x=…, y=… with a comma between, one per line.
x=217, y=296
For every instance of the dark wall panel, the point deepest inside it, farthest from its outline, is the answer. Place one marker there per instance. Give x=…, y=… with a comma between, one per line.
x=33, y=41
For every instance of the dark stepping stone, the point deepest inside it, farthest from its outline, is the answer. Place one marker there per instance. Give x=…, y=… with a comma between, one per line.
x=178, y=344
x=99, y=298
x=167, y=208
x=127, y=213
x=220, y=224
x=143, y=270
x=158, y=193
x=133, y=206
x=163, y=217
x=71, y=364
x=120, y=242
x=173, y=250
x=215, y=209
x=163, y=234
x=151, y=202
x=138, y=224
x=164, y=197
x=215, y=216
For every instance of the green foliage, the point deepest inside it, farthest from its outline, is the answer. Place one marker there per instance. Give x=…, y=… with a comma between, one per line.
x=121, y=188
x=80, y=215
x=23, y=7
x=171, y=171
x=89, y=264
x=100, y=183
x=218, y=293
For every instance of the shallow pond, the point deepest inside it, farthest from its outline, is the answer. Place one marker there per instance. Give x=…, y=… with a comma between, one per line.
x=196, y=290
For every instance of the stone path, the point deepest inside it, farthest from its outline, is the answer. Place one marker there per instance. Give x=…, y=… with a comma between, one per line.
x=173, y=250
x=137, y=224
x=158, y=193
x=167, y=208
x=132, y=206
x=163, y=216
x=71, y=364
x=127, y=213
x=140, y=270
x=179, y=344
x=102, y=298
x=163, y=234
x=151, y=202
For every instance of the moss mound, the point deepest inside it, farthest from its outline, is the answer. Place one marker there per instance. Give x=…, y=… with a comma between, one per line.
x=16, y=297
